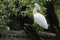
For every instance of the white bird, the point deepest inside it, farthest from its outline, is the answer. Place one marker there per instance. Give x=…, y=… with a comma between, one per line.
x=39, y=18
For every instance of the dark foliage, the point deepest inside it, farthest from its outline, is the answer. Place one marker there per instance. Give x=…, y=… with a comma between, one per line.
x=51, y=17
x=25, y=19
x=30, y=31
x=20, y=18
x=24, y=8
x=16, y=3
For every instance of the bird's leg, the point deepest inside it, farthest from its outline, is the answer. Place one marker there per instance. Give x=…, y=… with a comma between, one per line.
x=38, y=28
x=41, y=30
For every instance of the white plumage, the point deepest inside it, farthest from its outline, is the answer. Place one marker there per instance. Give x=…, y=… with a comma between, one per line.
x=39, y=18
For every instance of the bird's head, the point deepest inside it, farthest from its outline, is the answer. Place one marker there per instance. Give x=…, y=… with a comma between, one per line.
x=36, y=6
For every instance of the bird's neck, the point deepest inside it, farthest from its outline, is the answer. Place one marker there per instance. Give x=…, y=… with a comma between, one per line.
x=34, y=11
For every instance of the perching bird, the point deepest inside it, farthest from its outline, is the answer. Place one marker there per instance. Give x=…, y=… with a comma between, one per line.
x=39, y=18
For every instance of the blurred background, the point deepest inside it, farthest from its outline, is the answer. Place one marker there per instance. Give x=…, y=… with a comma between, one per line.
x=11, y=9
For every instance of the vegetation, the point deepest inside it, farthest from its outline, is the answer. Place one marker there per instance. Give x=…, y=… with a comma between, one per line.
x=8, y=7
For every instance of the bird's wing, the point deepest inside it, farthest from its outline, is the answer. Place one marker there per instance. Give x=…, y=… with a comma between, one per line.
x=40, y=20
